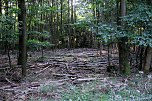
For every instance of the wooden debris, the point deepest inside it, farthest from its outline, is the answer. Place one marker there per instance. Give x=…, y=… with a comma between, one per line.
x=43, y=69
x=81, y=80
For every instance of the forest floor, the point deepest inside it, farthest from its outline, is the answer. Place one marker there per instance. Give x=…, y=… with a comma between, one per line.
x=72, y=75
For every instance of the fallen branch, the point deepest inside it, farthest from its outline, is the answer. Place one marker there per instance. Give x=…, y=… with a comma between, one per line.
x=43, y=69
x=9, y=81
x=80, y=80
x=38, y=73
x=146, y=86
x=66, y=75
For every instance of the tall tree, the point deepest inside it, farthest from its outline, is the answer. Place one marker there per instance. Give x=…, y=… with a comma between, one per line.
x=61, y=23
x=6, y=7
x=148, y=54
x=123, y=47
x=22, y=35
x=0, y=6
x=69, y=31
x=1, y=44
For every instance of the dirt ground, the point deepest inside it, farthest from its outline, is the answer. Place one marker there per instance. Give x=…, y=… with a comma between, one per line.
x=61, y=68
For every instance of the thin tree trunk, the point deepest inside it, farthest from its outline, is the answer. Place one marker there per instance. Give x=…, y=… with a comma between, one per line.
x=57, y=26
x=0, y=7
x=9, y=58
x=141, y=55
x=94, y=16
x=69, y=29
x=51, y=24
x=1, y=43
x=148, y=59
x=61, y=23
x=6, y=13
x=22, y=35
x=6, y=7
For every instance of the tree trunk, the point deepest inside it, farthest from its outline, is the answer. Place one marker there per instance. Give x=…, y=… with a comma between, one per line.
x=6, y=14
x=1, y=43
x=148, y=53
x=51, y=24
x=6, y=7
x=0, y=7
x=141, y=57
x=148, y=59
x=123, y=47
x=61, y=23
x=22, y=36
x=69, y=27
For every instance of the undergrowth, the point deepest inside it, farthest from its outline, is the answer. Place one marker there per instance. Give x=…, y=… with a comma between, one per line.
x=101, y=90
x=100, y=93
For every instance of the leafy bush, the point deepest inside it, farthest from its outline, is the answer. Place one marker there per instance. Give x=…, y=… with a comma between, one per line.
x=8, y=34
x=139, y=23
x=37, y=45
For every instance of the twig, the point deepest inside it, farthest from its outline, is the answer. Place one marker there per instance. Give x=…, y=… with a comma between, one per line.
x=79, y=80
x=122, y=88
x=146, y=86
x=9, y=81
x=40, y=71
x=66, y=75
x=43, y=69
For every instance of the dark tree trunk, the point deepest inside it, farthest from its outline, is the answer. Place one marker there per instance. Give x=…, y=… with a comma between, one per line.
x=0, y=6
x=51, y=24
x=148, y=53
x=123, y=47
x=61, y=23
x=53, y=29
x=69, y=28
x=22, y=36
x=148, y=59
x=6, y=7
x=6, y=13
x=1, y=43
x=141, y=57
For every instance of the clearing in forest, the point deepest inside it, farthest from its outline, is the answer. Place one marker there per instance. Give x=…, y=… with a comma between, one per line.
x=75, y=75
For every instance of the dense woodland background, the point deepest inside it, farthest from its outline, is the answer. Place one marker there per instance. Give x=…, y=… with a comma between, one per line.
x=121, y=28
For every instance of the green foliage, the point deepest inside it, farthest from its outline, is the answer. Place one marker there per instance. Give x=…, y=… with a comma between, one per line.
x=7, y=30
x=34, y=33
x=83, y=24
x=108, y=89
x=139, y=23
x=143, y=40
x=48, y=88
x=38, y=40
x=13, y=10
x=36, y=44
x=138, y=27
x=81, y=94
x=47, y=8
x=44, y=34
x=89, y=92
x=107, y=33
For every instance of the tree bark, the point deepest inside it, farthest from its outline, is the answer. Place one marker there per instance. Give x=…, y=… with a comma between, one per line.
x=51, y=23
x=22, y=36
x=148, y=59
x=1, y=44
x=123, y=47
x=61, y=23
x=148, y=53
x=69, y=27
x=0, y=6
